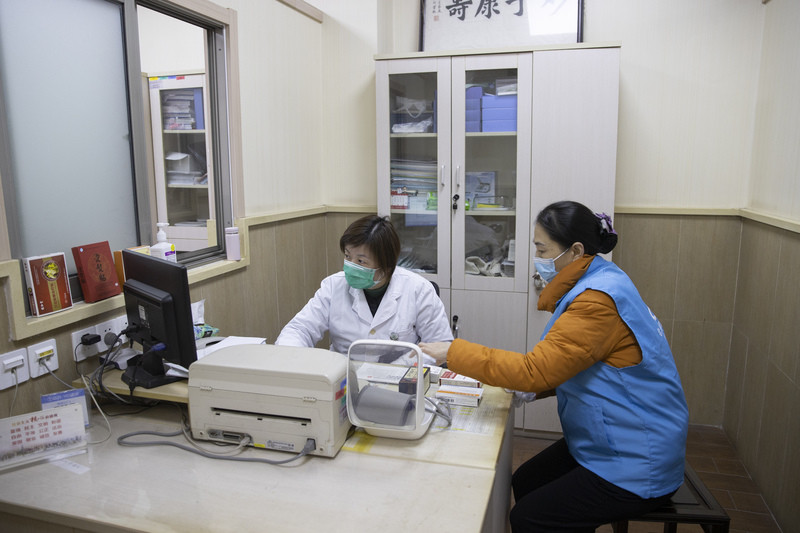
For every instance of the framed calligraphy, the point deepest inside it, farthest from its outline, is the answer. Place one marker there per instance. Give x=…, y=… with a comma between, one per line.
x=460, y=24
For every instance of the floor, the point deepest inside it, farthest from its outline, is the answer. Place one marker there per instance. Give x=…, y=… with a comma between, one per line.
x=714, y=459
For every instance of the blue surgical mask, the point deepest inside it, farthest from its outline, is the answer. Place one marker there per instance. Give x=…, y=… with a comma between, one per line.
x=358, y=276
x=547, y=267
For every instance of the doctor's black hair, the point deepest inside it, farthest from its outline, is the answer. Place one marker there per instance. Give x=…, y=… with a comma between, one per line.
x=380, y=237
x=569, y=222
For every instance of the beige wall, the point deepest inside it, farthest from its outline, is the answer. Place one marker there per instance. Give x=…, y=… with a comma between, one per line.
x=708, y=119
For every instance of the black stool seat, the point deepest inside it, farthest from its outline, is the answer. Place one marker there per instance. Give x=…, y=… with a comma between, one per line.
x=692, y=504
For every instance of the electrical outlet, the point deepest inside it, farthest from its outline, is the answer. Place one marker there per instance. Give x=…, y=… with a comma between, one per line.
x=83, y=352
x=18, y=359
x=120, y=323
x=103, y=329
x=41, y=353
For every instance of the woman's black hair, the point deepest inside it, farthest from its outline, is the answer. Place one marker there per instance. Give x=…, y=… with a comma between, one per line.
x=378, y=234
x=569, y=222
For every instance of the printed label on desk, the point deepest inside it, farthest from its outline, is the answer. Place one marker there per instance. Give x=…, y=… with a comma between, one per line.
x=41, y=435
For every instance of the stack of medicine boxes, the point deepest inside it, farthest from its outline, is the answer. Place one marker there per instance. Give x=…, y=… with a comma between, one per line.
x=499, y=113
x=473, y=118
x=489, y=112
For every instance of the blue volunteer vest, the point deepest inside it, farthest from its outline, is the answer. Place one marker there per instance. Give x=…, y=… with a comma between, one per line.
x=627, y=425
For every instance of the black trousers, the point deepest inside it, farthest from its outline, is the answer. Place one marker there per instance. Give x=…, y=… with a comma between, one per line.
x=554, y=493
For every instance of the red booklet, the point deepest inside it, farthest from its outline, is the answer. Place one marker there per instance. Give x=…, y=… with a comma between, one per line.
x=48, y=284
x=96, y=271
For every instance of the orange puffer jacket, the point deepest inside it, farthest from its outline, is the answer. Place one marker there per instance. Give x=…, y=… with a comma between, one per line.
x=590, y=330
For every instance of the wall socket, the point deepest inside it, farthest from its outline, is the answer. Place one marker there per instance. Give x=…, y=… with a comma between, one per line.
x=18, y=359
x=84, y=352
x=40, y=353
x=103, y=329
x=120, y=323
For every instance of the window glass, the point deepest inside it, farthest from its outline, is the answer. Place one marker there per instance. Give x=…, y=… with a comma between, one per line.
x=77, y=148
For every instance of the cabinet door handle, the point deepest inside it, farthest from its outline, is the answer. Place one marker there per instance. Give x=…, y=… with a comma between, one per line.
x=458, y=177
x=442, y=174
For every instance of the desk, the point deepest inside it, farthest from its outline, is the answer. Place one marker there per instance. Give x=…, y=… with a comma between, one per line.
x=447, y=481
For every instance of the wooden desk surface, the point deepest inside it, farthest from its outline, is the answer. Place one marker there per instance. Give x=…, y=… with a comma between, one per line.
x=373, y=484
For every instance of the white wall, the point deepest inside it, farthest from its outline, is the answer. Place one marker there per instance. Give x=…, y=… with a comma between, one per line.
x=688, y=81
x=707, y=120
x=168, y=45
x=281, y=78
x=775, y=179
x=349, y=43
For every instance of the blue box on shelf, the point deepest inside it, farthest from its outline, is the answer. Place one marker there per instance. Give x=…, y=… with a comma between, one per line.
x=473, y=125
x=506, y=100
x=500, y=113
x=500, y=125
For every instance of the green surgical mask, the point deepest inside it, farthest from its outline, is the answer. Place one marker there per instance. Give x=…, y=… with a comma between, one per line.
x=359, y=277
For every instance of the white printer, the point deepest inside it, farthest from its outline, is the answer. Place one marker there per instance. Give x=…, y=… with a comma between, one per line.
x=280, y=396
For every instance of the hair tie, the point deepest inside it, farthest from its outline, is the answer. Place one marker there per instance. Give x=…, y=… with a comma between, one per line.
x=605, y=223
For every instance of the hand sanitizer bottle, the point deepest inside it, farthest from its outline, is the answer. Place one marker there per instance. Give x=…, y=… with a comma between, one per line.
x=162, y=248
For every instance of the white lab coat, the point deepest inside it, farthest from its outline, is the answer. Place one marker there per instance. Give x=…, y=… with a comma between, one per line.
x=410, y=311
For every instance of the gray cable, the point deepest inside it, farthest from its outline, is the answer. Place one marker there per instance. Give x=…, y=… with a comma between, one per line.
x=16, y=386
x=310, y=446
x=44, y=363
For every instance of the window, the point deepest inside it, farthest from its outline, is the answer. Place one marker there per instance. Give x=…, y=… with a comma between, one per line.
x=76, y=147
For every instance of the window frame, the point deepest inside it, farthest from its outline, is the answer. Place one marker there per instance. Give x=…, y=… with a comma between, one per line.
x=228, y=173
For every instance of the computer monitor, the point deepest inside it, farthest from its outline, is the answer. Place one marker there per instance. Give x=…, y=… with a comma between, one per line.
x=159, y=313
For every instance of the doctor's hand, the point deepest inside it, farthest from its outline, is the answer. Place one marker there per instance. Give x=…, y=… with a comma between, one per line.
x=437, y=350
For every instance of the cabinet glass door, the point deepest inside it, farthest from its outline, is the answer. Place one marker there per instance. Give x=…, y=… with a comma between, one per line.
x=491, y=133
x=417, y=130
x=181, y=160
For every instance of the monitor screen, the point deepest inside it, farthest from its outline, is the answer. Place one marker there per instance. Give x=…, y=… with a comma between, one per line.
x=159, y=313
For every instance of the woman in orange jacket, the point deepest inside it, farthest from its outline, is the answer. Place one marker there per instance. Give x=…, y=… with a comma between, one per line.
x=604, y=354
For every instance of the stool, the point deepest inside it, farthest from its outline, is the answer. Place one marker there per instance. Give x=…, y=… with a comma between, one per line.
x=691, y=504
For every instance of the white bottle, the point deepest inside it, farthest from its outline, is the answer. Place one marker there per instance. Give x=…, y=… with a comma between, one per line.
x=163, y=249
x=232, y=246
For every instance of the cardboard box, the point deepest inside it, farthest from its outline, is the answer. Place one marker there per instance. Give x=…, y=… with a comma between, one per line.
x=448, y=377
x=466, y=396
x=48, y=283
x=480, y=184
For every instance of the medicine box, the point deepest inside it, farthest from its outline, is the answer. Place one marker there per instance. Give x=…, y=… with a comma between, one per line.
x=489, y=101
x=480, y=183
x=500, y=125
x=47, y=283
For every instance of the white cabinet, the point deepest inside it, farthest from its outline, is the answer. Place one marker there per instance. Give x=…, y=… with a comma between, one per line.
x=184, y=184
x=454, y=140
x=470, y=148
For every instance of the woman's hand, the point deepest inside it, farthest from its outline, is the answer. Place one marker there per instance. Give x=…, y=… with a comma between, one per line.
x=437, y=350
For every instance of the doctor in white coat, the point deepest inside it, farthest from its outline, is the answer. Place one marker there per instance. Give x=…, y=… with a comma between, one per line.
x=372, y=298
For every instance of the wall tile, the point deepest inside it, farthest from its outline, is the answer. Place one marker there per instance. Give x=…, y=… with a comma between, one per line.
x=734, y=386
x=772, y=443
x=648, y=253
x=315, y=242
x=707, y=267
x=785, y=507
x=701, y=355
x=755, y=290
x=293, y=292
x=752, y=408
x=784, y=348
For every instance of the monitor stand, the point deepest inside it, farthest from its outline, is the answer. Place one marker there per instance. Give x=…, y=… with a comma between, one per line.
x=147, y=371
